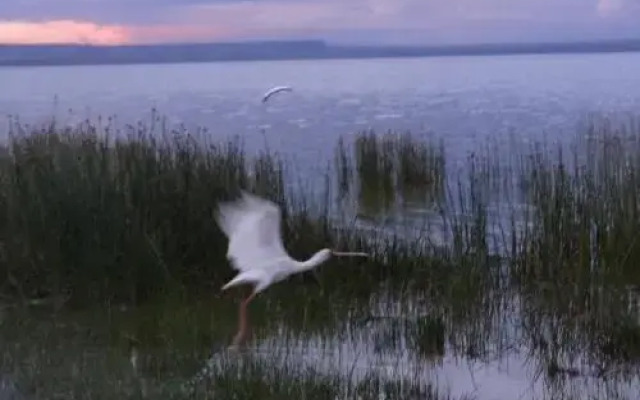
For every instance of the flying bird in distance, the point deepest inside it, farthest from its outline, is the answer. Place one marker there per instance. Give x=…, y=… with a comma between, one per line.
x=274, y=91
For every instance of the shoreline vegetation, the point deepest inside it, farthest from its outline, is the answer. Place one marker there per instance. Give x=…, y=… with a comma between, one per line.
x=543, y=245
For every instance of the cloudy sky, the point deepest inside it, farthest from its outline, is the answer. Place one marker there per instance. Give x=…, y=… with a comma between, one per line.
x=352, y=21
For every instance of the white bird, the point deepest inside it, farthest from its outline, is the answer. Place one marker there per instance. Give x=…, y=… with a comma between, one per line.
x=252, y=225
x=275, y=90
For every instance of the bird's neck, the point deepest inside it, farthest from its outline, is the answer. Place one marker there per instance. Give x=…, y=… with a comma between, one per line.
x=312, y=262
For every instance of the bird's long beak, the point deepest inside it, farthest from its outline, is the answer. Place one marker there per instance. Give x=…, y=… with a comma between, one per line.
x=349, y=254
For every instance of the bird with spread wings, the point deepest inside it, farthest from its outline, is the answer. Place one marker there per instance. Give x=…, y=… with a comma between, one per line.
x=256, y=250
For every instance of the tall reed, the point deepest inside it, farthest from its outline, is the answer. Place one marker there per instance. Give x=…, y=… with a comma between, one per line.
x=123, y=216
x=120, y=218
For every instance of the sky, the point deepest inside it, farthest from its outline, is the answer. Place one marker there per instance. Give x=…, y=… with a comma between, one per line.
x=430, y=22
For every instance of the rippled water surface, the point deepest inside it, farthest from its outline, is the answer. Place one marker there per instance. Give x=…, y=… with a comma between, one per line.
x=461, y=98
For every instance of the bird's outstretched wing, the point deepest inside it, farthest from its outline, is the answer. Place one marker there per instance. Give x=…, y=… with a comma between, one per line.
x=252, y=225
x=275, y=90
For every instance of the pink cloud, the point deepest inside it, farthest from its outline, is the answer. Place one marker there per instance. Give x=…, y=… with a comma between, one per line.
x=428, y=21
x=181, y=32
x=62, y=31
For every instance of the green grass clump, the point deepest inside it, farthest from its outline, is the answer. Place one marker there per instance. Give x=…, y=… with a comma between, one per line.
x=374, y=165
x=587, y=212
x=420, y=163
x=101, y=218
x=575, y=267
x=390, y=167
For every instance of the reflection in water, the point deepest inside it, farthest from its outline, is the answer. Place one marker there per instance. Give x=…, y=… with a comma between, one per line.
x=384, y=349
x=481, y=348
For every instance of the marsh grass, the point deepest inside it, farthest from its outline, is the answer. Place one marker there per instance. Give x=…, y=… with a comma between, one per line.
x=586, y=212
x=114, y=220
x=420, y=164
x=389, y=168
x=99, y=215
x=126, y=217
x=564, y=239
x=577, y=269
x=374, y=166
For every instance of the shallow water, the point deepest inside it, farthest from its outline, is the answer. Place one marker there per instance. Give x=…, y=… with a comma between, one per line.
x=501, y=367
x=484, y=353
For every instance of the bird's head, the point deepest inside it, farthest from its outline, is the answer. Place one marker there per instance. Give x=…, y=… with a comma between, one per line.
x=323, y=256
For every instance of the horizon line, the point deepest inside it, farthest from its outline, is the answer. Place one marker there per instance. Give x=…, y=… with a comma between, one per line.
x=323, y=42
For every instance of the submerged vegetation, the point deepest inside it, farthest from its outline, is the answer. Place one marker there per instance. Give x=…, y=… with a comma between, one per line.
x=390, y=168
x=537, y=256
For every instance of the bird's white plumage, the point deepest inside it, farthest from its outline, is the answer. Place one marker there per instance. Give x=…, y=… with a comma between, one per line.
x=252, y=225
x=255, y=248
x=275, y=90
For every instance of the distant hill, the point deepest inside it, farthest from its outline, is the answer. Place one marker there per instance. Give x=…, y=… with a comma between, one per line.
x=26, y=55
x=161, y=53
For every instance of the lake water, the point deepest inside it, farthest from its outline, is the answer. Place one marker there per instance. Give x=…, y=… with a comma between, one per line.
x=463, y=100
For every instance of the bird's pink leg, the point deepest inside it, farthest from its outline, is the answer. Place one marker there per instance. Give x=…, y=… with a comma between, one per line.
x=240, y=337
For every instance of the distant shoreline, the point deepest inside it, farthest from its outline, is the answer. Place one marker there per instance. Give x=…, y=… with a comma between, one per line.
x=69, y=55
